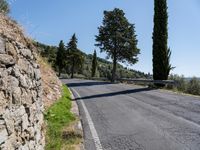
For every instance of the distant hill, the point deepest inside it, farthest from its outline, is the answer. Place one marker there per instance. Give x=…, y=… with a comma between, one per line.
x=104, y=66
x=189, y=78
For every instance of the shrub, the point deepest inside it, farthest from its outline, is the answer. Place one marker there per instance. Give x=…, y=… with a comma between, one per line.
x=180, y=83
x=193, y=86
x=4, y=7
x=65, y=76
x=80, y=76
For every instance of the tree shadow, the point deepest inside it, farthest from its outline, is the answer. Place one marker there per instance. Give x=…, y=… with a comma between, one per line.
x=93, y=83
x=115, y=93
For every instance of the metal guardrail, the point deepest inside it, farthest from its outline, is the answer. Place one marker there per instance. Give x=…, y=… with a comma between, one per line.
x=144, y=81
x=166, y=82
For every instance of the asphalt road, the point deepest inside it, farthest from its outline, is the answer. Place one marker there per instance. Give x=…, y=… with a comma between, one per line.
x=126, y=117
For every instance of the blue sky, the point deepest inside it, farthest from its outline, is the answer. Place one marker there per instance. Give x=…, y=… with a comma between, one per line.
x=50, y=21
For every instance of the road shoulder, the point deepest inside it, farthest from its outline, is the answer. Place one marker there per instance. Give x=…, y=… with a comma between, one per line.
x=78, y=126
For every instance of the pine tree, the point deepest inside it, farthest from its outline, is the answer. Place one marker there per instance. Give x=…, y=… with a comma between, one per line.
x=60, y=58
x=161, y=53
x=94, y=63
x=52, y=55
x=75, y=57
x=117, y=38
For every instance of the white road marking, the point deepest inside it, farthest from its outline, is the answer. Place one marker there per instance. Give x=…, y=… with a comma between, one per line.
x=91, y=124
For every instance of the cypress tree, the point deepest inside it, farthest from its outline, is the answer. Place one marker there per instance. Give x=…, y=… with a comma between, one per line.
x=161, y=53
x=60, y=58
x=94, y=63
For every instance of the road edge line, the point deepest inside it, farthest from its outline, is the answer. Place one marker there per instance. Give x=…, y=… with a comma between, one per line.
x=91, y=124
x=76, y=112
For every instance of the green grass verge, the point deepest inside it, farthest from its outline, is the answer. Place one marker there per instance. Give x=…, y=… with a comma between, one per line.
x=57, y=117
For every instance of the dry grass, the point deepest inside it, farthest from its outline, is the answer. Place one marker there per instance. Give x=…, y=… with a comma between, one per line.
x=13, y=31
x=50, y=83
x=72, y=137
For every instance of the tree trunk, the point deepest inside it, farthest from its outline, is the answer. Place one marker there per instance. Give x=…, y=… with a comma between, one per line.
x=72, y=70
x=114, y=69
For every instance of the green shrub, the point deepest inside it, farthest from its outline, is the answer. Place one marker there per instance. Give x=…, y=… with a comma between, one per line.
x=4, y=7
x=65, y=76
x=193, y=86
x=180, y=83
x=80, y=76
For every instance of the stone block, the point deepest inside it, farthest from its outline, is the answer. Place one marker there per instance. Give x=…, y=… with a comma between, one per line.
x=25, y=122
x=4, y=134
x=10, y=49
x=6, y=59
x=27, y=53
x=2, y=46
x=13, y=82
x=16, y=71
x=37, y=74
x=23, y=65
x=16, y=95
x=22, y=81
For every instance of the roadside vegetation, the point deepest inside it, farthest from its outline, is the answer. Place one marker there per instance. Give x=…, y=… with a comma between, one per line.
x=4, y=7
x=161, y=52
x=60, y=133
x=189, y=86
x=94, y=64
x=117, y=38
x=100, y=68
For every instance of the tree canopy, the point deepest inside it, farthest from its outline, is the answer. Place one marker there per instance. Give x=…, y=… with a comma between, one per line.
x=118, y=39
x=161, y=52
x=60, y=58
x=75, y=57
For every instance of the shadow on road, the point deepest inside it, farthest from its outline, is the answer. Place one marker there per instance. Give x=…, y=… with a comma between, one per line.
x=87, y=84
x=115, y=93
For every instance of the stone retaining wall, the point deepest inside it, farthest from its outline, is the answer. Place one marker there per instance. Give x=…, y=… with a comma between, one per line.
x=21, y=106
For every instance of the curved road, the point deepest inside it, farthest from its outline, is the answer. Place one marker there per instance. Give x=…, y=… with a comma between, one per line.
x=126, y=117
